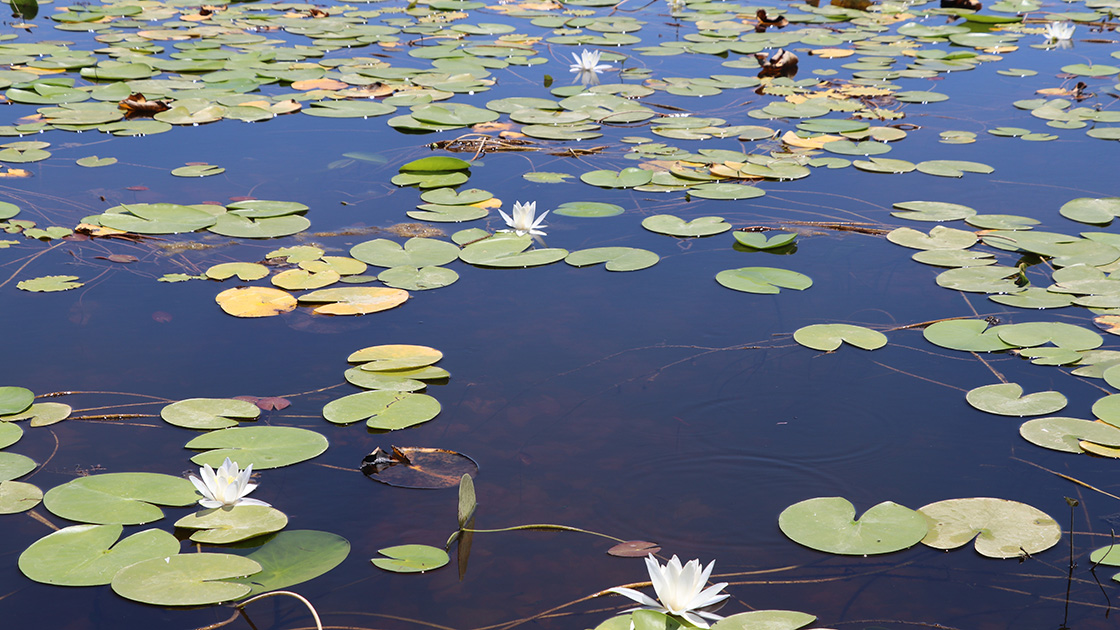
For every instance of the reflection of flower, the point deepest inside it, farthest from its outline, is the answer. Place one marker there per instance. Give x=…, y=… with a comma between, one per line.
x=681, y=591
x=1059, y=31
x=588, y=61
x=228, y=486
x=676, y=5
x=522, y=220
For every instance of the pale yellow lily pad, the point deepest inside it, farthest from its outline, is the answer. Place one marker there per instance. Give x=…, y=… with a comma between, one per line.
x=1002, y=528
x=255, y=301
x=355, y=300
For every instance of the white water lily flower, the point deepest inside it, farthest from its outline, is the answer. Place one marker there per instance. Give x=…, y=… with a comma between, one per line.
x=1059, y=31
x=227, y=486
x=680, y=590
x=588, y=61
x=523, y=221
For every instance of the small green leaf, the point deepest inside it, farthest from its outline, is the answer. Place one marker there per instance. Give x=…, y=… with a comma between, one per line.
x=93, y=161
x=828, y=337
x=411, y=558
x=768, y=280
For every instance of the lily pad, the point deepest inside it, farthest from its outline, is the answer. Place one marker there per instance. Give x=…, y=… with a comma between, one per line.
x=209, y=413
x=85, y=555
x=758, y=240
x=243, y=270
x=765, y=620
x=675, y=226
x=940, y=237
x=617, y=258
x=384, y=410
x=828, y=524
x=952, y=168
x=411, y=558
x=10, y=433
x=416, y=252
x=932, y=211
x=192, y=579
x=15, y=399
x=40, y=415
x=14, y=465
x=1062, y=335
x=1066, y=434
x=768, y=280
x=1006, y=399
x=420, y=467
x=221, y=526
x=255, y=301
x=17, y=496
x=587, y=209
x=119, y=498
x=198, y=170
x=828, y=337
x=355, y=300
x=293, y=557
x=395, y=357
x=507, y=249
x=418, y=278
x=261, y=447
x=1091, y=210
x=1002, y=528
x=969, y=335
x=626, y=178
x=49, y=284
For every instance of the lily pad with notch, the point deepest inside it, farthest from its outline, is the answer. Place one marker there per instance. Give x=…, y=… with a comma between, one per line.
x=766, y=280
x=828, y=524
x=758, y=240
x=506, y=249
x=828, y=337
x=968, y=335
x=418, y=278
x=392, y=357
x=416, y=252
x=355, y=300
x=384, y=410
x=90, y=555
x=209, y=413
x=1007, y=399
x=1002, y=528
x=262, y=447
x=221, y=526
x=17, y=496
x=288, y=558
x=675, y=226
x=411, y=558
x=616, y=258
x=931, y=211
x=587, y=209
x=192, y=579
x=119, y=498
x=726, y=191
x=1067, y=434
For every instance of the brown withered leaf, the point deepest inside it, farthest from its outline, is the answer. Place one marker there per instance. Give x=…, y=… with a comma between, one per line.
x=16, y=173
x=1108, y=323
x=418, y=467
x=780, y=64
x=634, y=549
x=119, y=258
x=137, y=105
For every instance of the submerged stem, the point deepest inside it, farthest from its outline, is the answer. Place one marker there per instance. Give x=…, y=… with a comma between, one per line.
x=314, y=613
x=542, y=526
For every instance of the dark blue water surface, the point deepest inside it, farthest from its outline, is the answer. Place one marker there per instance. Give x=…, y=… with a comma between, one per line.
x=655, y=405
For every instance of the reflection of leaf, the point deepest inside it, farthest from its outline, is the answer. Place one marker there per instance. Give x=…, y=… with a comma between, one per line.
x=425, y=468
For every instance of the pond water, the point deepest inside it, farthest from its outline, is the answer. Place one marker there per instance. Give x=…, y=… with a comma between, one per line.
x=651, y=405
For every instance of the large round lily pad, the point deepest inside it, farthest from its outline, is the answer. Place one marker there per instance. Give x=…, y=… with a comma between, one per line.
x=507, y=249
x=85, y=555
x=221, y=526
x=1067, y=434
x=765, y=620
x=828, y=524
x=17, y=496
x=119, y=498
x=262, y=447
x=675, y=226
x=192, y=579
x=15, y=399
x=767, y=280
x=293, y=557
x=1006, y=399
x=416, y=252
x=828, y=337
x=395, y=357
x=969, y=335
x=1002, y=528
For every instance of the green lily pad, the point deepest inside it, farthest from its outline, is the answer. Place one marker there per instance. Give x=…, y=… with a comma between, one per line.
x=416, y=252
x=265, y=208
x=1062, y=335
x=1090, y=70
x=418, y=278
x=1006, y=399
x=198, y=170
x=1091, y=210
x=192, y=579
x=348, y=109
x=725, y=191
x=221, y=526
x=411, y=558
x=14, y=465
x=385, y=410
x=209, y=413
x=617, y=258
x=93, y=161
x=302, y=279
x=758, y=240
x=828, y=337
x=992, y=279
x=1065, y=434
x=545, y=177
x=952, y=168
x=507, y=249
x=237, y=226
x=768, y=280
x=15, y=399
x=626, y=178
x=119, y=498
x=49, y=284
x=931, y=210
x=447, y=214
x=884, y=165
x=293, y=557
x=384, y=380
x=262, y=447
x=675, y=226
x=1002, y=528
x=940, y=237
x=157, y=218
x=1033, y=297
x=17, y=496
x=10, y=433
x=587, y=209
x=449, y=197
x=85, y=555
x=764, y=620
x=828, y=524
x=865, y=148
x=969, y=335
x=8, y=210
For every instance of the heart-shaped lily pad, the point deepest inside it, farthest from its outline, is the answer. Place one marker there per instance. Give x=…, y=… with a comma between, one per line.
x=395, y=357
x=85, y=555
x=386, y=410
x=293, y=557
x=828, y=524
x=119, y=498
x=1062, y=335
x=411, y=558
x=758, y=240
x=1006, y=399
x=766, y=280
x=617, y=258
x=1067, y=434
x=255, y=301
x=626, y=178
x=675, y=226
x=221, y=526
x=355, y=300
x=192, y=579
x=209, y=413
x=940, y=237
x=17, y=496
x=1002, y=528
x=765, y=620
x=416, y=252
x=263, y=447
x=931, y=211
x=969, y=335
x=507, y=249
x=828, y=337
